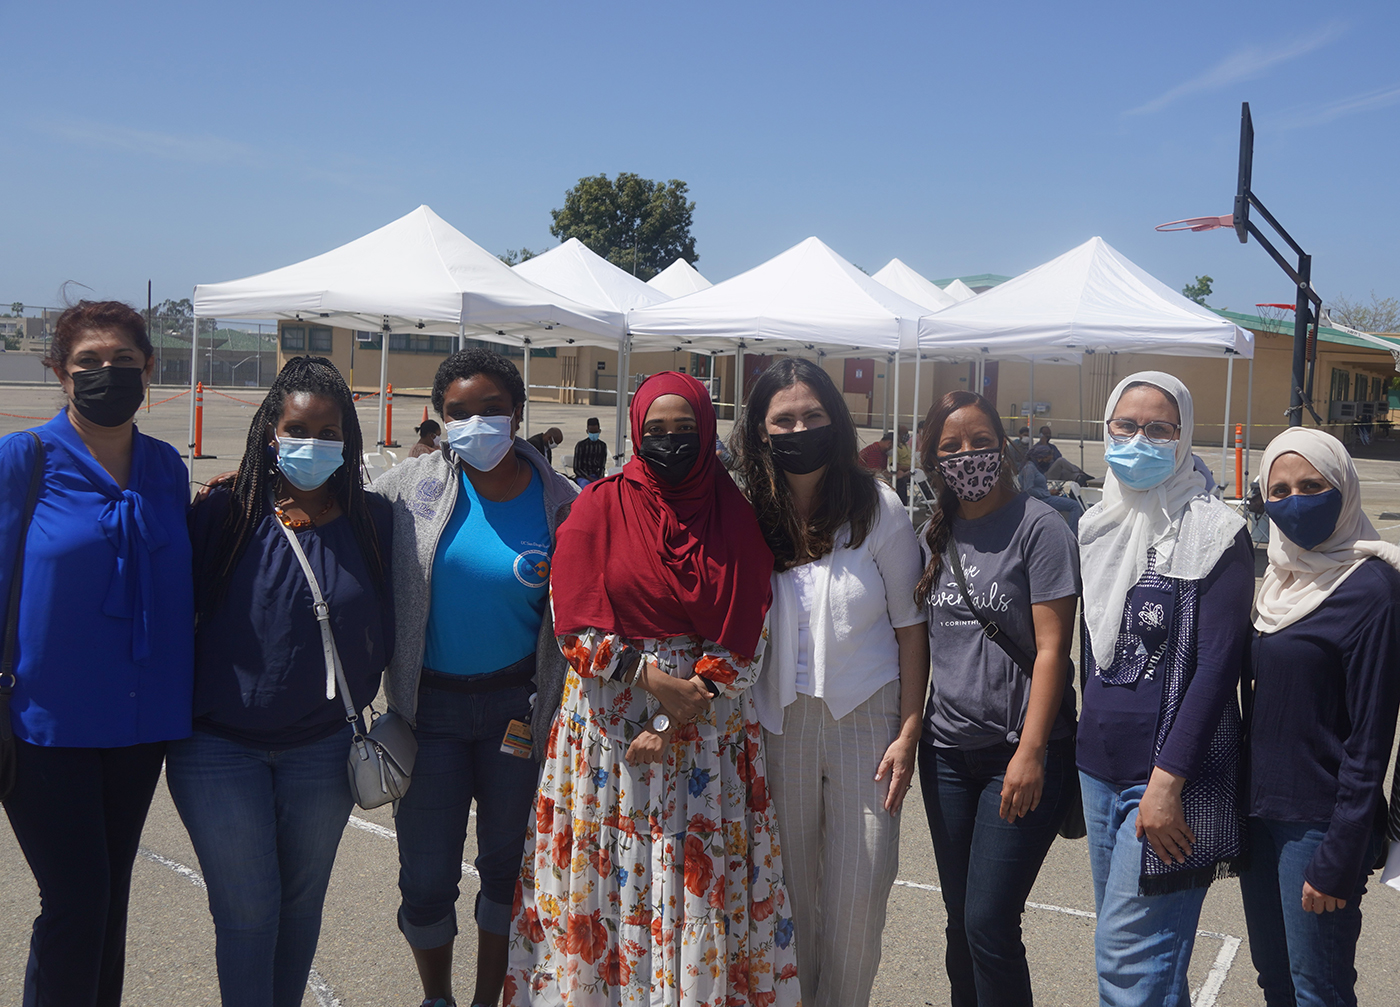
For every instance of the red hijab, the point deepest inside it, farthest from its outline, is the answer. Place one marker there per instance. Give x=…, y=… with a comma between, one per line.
x=640, y=557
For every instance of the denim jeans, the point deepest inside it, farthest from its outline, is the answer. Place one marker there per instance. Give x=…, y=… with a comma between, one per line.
x=265, y=826
x=1302, y=958
x=1142, y=943
x=77, y=814
x=460, y=759
x=987, y=866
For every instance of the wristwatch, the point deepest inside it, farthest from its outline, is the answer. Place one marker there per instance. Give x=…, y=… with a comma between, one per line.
x=661, y=723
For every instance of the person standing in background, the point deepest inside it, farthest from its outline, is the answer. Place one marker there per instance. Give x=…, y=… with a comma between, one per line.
x=591, y=455
x=1321, y=723
x=1169, y=578
x=429, y=434
x=841, y=693
x=474, y=535
x=104, y=652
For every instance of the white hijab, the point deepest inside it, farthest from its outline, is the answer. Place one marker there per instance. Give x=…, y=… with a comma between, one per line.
x=1178, y=517
x=1298, y=580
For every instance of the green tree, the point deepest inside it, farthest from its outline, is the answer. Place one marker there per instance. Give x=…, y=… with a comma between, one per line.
x=1381, y=315
x=17, y=309
x=515, y=256
x=1199, y=290
x=635, y=223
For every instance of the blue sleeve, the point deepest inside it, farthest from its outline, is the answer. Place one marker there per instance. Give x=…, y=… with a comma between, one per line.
x=1033, y=481
x=1223, y=633
x=17, y=457
x=1372, y=701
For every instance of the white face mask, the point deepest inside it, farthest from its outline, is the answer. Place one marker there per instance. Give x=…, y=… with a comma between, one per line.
x=480, y=441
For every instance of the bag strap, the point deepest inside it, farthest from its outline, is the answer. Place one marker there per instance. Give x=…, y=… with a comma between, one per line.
x=335, y=673
x=7, y=661
x=993, y=632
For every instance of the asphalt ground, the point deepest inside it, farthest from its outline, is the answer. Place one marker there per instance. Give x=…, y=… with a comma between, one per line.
x=363, y=960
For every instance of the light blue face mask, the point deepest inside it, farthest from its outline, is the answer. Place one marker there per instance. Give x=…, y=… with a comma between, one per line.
x=1139, y=464
x=307, y=462
x=593, y=435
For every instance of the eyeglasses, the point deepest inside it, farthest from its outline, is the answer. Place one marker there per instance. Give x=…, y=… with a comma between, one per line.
x=1156, y=432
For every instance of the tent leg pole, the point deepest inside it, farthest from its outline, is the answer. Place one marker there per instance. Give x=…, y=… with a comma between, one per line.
x=1248, y=424
x=1030, y=409
x=383, y=378
x=194, y=369
x=738, y=380
x=1225, y=440
x=1081, y=414
x=526, y=376
x=620, y=443
x=914, y=426
x=461, y=336
x=894, y=451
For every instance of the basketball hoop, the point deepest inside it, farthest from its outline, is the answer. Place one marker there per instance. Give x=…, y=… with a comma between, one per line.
x=1198, y=223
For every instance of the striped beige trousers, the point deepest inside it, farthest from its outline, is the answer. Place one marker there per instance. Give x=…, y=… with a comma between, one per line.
x=840, y=846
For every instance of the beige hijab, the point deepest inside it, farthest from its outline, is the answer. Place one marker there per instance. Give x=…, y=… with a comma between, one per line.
x=1298, y=580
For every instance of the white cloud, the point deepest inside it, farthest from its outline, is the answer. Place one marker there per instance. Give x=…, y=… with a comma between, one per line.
x=1319, y=113
x=199, y=149
x=1248, y=63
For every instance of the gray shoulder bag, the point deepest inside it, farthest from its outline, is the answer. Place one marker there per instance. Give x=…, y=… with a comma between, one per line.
x=381, y=761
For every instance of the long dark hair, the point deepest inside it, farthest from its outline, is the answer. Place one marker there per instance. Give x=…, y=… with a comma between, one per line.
x=257, y=473
x=847, y=491
x=940, y=526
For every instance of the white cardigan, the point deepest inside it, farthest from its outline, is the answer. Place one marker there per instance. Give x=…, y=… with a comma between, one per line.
x=860, y=596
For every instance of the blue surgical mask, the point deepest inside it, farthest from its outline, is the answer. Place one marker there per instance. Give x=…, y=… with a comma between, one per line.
x=480, y=441
x=1139, y=464
x=307, y=462
x=593, y=435
x=1306, y=519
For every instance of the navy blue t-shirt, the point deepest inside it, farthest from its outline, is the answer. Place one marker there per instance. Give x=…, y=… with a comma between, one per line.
x=260, y=671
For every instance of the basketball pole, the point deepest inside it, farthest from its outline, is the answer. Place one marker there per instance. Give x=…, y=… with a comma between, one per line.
x=1225, y=438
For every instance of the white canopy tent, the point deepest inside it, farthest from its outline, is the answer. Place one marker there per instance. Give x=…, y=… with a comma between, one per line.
x=907, y=282
x=959, y=291
x=420, y=274
x=577, y=272
x=1092, y=299
x=678, y=279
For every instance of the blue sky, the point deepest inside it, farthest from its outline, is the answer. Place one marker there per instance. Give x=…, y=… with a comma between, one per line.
x=196, y=142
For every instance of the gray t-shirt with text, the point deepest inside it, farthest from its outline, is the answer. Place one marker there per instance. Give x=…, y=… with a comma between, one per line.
x=1018, y=555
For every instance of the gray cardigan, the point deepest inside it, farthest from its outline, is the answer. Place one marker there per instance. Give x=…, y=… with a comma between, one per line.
x=423, y=492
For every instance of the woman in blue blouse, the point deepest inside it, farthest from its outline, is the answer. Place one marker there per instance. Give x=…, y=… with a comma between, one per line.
x=104, y=648
x=1325, y=695
x=262, y=784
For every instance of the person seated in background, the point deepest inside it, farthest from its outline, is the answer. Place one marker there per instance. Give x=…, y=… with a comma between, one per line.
x=1061, y=468
x=429, y=439
x=591, y=455
x=546, y=442
x=876, y=456
x=1016, y=450
x=1033, y=481
x=904, y=461
x=1045, y=440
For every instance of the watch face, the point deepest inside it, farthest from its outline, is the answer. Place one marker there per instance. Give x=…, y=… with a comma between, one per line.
x=660, y=723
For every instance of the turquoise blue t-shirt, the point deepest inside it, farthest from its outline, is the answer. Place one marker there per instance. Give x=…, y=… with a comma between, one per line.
x=490, y=582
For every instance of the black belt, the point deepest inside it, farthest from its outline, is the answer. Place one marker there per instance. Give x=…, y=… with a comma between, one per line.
x=520, y=673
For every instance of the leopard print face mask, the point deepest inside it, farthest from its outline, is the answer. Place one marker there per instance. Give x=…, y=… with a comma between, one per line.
x=971, y=474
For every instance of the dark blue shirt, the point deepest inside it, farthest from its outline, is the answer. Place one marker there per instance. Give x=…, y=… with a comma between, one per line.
x=260, y=671
x=1118, y=723
x=1326, y=693
x=106, y=624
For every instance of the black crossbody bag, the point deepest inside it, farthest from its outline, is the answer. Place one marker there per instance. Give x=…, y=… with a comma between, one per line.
x=7, y=662
x=1072, y=827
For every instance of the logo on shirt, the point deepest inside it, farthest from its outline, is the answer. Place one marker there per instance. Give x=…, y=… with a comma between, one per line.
x=1152, y=615
x=532, y=568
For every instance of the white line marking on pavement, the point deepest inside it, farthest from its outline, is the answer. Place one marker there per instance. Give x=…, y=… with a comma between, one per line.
x=1215, y=978
x=325, y=996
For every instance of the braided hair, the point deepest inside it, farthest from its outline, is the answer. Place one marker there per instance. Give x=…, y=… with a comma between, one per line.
x=258, y=474
x=940, y=525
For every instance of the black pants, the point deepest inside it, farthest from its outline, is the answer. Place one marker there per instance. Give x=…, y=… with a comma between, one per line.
x=78, y=814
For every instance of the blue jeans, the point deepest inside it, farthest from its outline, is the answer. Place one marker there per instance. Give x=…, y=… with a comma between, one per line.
x=1142, y=943
x=265, y=826
x=460, y=759
x=986, y=865
x=1302, y=958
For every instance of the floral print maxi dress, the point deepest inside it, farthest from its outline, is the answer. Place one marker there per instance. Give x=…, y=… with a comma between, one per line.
x=656, y=884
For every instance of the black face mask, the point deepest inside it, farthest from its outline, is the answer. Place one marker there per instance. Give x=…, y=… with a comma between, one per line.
x=670, y=456
x=108, y=396
x=802, y=451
